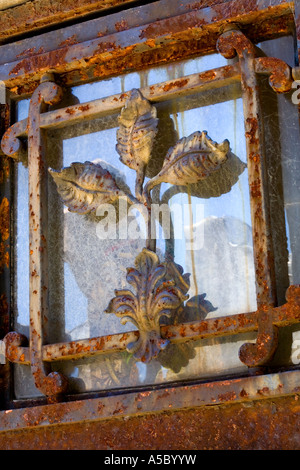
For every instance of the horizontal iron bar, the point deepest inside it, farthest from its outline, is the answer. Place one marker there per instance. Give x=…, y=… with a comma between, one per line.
x=284, y=315
x=164, y=33
x=169, y=399
x=215, y=78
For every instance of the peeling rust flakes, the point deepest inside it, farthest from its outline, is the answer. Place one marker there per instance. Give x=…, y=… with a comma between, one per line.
x=30, y=52
x=121, y=25
x=234, y=9
x=163, y=27
x=84, y=107
x=70, y=111
x=208, y=76
x=176, y=84
x=263, y=391
x=40, y=62
x=252, y=132
x=228, y=396
x=4, y=219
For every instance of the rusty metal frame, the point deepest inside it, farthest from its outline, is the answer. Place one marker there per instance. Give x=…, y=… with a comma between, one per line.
x=264, y=320
x=24, y=75
x=168, y=399
x=131, y=40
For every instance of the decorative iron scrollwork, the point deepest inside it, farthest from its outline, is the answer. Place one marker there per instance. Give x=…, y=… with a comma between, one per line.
x=209, y=169
x=84, y=186
x=157, y=295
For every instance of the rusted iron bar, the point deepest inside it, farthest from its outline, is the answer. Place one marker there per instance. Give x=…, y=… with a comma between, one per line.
x=215, y=78
x=280, y=73
x=50, y=384
x=287, y=314
x=230, y=43
x=245, y=389
x=155, y=38
x=37, y=14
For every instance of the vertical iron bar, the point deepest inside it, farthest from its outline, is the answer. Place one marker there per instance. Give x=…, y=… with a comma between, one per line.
x=49, y=384
x=230, y=43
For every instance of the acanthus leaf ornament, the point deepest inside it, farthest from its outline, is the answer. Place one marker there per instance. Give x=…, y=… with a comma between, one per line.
x=155, y=297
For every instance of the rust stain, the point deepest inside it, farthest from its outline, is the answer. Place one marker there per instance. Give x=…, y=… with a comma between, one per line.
x=69, y=41
x=208, y=76
x=4, y=231
x=234, y=9
x=30, y=52
x=70, y=111
x=40, y=62
x=274, y=426
x=228, y=396
x=173, y=25
x=176, y=84
x=122, y=25
x=151, y=43
x=84, y=107
x=4, y=219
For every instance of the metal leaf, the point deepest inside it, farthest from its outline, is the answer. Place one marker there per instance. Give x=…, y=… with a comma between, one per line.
x=217, y=183
x=192, y=159
x=156, y=296
x=138, y=127
x=84, y=186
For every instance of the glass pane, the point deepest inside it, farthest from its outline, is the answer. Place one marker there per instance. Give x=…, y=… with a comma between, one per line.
x=21, y=284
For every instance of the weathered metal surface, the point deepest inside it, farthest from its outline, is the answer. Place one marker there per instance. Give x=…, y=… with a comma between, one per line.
x=14, y=147
x=280, y=73
x=105, y=24
x=231, y=43
x=260, y=425
x=5, y=251
x=51, y=384
x=285, y=315
x=192, y=32
x=263, y=425
x=172, y=398
x=40, y=13
x=259, y=353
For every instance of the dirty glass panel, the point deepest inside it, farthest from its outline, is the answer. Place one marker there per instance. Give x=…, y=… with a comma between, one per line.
x=85, y=269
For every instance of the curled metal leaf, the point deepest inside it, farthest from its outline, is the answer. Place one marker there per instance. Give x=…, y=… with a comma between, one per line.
x=217, y=183
x=192, y=159
x=138, y=127
x=84, y=186
x=157, y=295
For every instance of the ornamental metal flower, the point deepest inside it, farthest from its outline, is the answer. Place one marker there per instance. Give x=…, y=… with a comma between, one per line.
x=193, y=161
x=155, y=296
